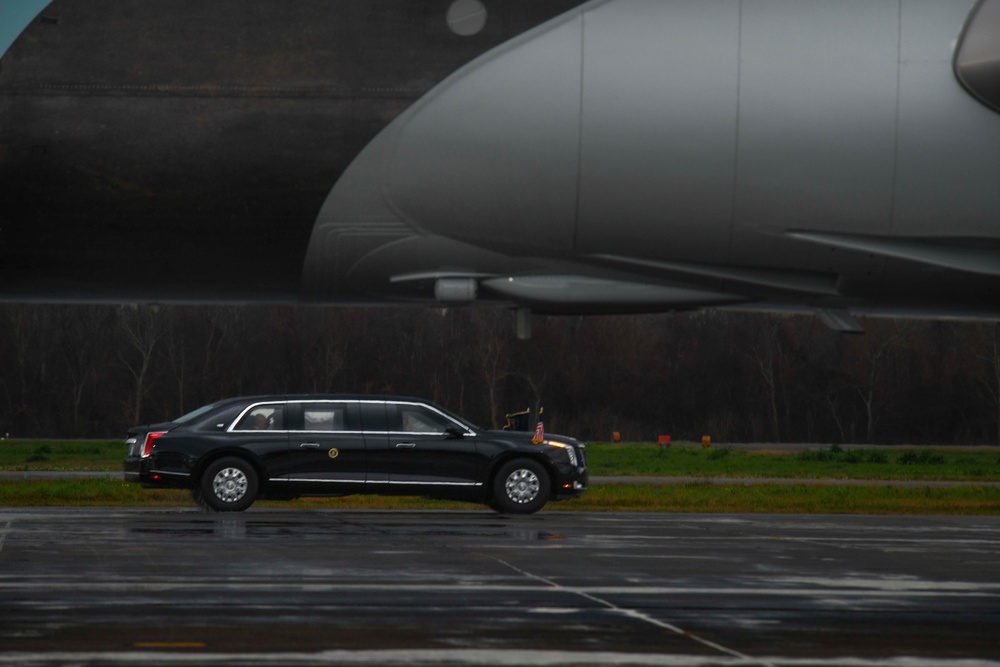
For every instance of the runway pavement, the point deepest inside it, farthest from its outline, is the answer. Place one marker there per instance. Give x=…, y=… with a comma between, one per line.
x=305, y=587
x=595, y=480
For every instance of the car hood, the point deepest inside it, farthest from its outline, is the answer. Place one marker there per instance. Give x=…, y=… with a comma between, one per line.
x=526, y=436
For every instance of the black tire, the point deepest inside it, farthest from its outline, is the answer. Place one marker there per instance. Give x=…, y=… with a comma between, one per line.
x=199, y=498
x=521, y=486
x=228, y=485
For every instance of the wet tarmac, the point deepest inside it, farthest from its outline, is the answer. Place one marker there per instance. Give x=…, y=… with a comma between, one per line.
x=304, y=587
x=597, y=480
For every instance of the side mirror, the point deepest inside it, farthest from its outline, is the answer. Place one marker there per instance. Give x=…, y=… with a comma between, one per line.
x=455, y=432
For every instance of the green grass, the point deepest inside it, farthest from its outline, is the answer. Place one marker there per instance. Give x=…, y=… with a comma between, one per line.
x=625, y=459
x=774, y=499
x=603, y=460
x=704, y=498
x=822, y=463
x=76, y=455
x=86, y=493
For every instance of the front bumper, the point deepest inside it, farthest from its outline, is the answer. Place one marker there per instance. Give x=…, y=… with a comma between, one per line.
x=570, y=483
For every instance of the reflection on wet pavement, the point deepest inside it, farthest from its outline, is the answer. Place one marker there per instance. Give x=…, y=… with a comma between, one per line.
x=104, y=586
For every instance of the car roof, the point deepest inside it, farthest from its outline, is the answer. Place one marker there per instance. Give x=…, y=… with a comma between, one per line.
x=321, y=397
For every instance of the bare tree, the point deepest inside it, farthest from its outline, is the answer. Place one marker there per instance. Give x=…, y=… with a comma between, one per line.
x=683, y=374
x=28, y=327
x=15, y=380
x=870, y=364
x=327, y=350
x=225, y=365
x=988, y=378
x=142, y=328
x=832, y=398
x=177, y=344
x=766, y=354
x=491, y=353
x=84, y=330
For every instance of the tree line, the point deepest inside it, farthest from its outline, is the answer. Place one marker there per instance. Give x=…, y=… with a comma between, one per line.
x=95, y=370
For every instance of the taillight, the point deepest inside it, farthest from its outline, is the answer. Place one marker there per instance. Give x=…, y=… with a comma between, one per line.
x=147, y=447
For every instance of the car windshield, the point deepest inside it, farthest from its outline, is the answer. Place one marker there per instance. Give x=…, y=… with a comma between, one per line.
x=461, y=420
x=195, y=413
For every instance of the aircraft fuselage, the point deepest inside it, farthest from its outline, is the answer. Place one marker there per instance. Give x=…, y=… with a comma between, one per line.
x=606, y=156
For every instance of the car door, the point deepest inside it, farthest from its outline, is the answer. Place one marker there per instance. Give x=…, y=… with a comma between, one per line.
x=425, y=447
x=376, y=431
x=326, y=448
x=261, y=429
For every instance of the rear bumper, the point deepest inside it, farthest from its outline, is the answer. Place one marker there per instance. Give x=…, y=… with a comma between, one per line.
x=136, y=468
x=143, y=471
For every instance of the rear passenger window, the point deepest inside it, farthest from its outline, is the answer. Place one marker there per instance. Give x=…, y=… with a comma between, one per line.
x=263, y=418
x=324, y=418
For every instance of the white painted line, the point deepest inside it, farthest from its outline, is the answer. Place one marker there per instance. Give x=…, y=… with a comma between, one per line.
x=871, y=589
x=636, y=614
x=472, y=657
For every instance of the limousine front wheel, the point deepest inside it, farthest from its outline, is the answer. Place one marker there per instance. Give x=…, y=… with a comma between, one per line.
x=228, y=485
x=520, y=486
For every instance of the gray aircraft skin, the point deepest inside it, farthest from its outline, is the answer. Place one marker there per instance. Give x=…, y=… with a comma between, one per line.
x=563, y=156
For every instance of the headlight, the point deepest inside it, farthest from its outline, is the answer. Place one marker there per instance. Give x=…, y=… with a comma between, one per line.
x=570, y=451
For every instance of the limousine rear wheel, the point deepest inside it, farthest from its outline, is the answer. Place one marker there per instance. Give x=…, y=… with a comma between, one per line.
x=520, y=486
x=229, y=485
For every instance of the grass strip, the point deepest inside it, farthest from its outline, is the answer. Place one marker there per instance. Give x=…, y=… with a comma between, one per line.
x=72, y=455
x=697, y=498
x=780, y=499
x=832, y=462
x=87, y=493
x=827, y=462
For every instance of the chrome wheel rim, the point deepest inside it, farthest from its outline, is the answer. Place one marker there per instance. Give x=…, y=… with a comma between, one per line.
x=522, y=486
x=229, y=485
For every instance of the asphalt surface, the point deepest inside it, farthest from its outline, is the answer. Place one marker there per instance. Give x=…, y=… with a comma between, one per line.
x=303, y=587
x=651, y=480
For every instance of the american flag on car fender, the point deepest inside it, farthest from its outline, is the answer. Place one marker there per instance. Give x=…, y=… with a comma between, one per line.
x=539, y=431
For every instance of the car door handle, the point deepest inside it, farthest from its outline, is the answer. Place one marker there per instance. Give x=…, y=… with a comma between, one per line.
x=406, y=445
x=310, y=445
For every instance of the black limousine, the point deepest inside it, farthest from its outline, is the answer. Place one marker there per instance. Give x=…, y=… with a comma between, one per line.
x=234, y=451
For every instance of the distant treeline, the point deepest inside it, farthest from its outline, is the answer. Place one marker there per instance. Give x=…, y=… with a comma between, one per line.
x=92, y=371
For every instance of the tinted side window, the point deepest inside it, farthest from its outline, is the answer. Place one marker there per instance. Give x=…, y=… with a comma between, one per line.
x=416, y=419
x=324, y=417
x=205, y=409
x=373, y=417
x=269, y=417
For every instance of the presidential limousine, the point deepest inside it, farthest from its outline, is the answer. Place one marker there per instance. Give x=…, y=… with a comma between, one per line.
x=237, y=450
